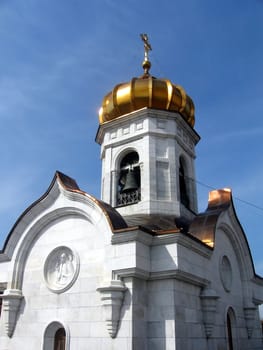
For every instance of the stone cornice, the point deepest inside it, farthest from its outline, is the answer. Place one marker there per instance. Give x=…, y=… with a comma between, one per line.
x=160, y=275
x=132, y=236
x=140, y=135
x=171, y=238
x=144, y=113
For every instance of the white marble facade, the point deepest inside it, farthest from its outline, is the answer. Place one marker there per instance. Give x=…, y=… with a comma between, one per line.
x=72, y=262
x=160, y=138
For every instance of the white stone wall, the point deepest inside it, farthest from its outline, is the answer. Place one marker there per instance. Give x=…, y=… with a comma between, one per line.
x=159, y=138
x=164, y=278
x=78, y=308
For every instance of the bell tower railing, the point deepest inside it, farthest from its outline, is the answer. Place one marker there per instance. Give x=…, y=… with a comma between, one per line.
x=131, y=197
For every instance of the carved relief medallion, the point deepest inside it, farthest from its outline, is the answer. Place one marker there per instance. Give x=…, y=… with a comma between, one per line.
x=225, y=270
x=61, y=269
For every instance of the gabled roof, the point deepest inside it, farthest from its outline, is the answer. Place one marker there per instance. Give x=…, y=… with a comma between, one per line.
x=204, y=225
x=115, y=220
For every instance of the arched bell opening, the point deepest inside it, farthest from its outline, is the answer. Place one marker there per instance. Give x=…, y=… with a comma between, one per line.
x=183, y=184
x=129, y=181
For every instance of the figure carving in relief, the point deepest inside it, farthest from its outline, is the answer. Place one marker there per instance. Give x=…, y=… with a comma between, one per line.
x=64, y=268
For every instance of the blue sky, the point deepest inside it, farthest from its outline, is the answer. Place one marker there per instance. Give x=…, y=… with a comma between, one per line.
x=59, y=58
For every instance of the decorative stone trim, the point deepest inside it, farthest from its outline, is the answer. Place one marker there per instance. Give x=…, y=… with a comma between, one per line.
x=112, y=296
x=132, y=236
x=11, y=303
x=250, y=312
x=131, y=272
x=209, y=302
x=147, y=239
x=225, y=271
x=61, y=269
x=160, y=275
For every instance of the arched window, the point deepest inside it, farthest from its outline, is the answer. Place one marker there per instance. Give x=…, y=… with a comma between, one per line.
x=60, y=339
x=129, y=182
x=183, y=184
x=231, y=330
x=56, y=337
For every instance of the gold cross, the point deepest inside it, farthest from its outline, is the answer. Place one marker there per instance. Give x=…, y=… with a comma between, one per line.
x=147, y=46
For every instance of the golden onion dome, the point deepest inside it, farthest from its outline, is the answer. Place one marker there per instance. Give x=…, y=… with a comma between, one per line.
x=146, y=91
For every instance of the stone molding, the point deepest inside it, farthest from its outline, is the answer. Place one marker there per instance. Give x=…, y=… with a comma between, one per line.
x=28, y=241
x=159, y=275
x=209, y=300
x=225, y=272
x=147, y=239
x=250, y=313
x=185, y=240
x=181, y=276
x=132, y=236
x=142, y=114
x=112, y=296
x=11, y=304
x=132, y=272
x=61, y=269
x=240, y=245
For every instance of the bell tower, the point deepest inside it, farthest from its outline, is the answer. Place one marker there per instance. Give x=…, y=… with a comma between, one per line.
x=148, y=150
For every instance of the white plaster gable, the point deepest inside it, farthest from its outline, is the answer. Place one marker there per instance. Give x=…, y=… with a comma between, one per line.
x=219, y=226
x=65, y=223
x=112, y=263
x=63, y=209
x=220, y=220
x=231, y=241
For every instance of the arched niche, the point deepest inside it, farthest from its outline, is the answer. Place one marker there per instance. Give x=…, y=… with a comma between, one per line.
x=231, y=329
x=56, y=337
x=33, y=234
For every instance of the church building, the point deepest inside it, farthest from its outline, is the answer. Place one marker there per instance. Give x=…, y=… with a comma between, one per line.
x=140, y=268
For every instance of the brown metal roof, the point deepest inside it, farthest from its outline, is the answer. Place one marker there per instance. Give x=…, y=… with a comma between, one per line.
x=204, y=225
x=115, y=220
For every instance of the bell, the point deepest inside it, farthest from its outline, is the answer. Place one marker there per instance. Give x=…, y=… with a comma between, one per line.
x=131, y=182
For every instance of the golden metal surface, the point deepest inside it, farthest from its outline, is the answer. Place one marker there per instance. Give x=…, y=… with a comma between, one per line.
x=147, y=46
x=204, y=225
x=219, y=198
x=146, y=91
x=146, y=64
